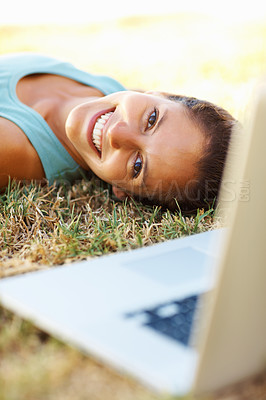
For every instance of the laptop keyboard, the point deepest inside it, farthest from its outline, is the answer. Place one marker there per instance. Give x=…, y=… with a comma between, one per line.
x=173, y=319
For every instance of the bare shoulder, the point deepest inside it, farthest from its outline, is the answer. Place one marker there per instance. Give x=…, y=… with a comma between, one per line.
x=18, y=158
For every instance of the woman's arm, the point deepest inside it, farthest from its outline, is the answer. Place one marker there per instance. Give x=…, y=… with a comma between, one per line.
x=18, y=158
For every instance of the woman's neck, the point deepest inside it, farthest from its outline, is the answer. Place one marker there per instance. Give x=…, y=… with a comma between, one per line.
x=53, y=97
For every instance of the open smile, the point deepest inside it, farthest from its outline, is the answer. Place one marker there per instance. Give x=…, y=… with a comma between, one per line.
x=96, y=128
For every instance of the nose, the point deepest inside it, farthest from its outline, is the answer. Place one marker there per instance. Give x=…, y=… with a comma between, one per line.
x=121, y=135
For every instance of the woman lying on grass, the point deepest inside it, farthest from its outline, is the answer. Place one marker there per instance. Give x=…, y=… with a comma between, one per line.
x=59, y=123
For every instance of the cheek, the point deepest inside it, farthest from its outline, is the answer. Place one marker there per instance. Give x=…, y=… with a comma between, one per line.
x=113, y=172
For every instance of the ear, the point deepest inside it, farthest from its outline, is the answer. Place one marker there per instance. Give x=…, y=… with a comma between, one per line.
x=119, y=193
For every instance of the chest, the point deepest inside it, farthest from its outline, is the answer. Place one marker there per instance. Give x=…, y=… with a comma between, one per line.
x=42, y=92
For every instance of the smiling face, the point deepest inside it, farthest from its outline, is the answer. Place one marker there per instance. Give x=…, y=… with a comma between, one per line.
x=140, y=143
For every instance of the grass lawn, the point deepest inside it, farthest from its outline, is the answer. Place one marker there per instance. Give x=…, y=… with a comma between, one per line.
x=45, y=226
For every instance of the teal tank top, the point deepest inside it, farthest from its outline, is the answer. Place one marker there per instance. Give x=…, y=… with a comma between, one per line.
x=57, y=163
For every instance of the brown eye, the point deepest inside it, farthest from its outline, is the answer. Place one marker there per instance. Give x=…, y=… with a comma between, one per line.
x=137, y=167
x=152, y=119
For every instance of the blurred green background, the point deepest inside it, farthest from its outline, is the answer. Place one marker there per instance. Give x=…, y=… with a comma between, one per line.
x=206, y=56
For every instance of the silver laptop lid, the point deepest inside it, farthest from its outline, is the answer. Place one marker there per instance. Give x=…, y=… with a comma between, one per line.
x=233, y=345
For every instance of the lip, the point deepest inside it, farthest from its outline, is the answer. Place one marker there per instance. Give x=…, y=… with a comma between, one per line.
x=91, y=127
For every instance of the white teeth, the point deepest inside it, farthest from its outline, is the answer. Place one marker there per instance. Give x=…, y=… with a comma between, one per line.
x=105, y=116
x=98, y=130
x=98, y=125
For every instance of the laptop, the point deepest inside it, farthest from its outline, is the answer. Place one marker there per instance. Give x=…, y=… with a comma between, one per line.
x=187, y=315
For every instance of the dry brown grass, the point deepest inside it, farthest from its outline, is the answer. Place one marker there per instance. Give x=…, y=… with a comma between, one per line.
x=44, y=226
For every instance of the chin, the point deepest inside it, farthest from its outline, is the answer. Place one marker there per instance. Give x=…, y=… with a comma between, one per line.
x=72, y=126
x=69, y=125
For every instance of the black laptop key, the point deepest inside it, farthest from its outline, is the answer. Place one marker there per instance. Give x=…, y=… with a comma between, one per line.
x=173, y=319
